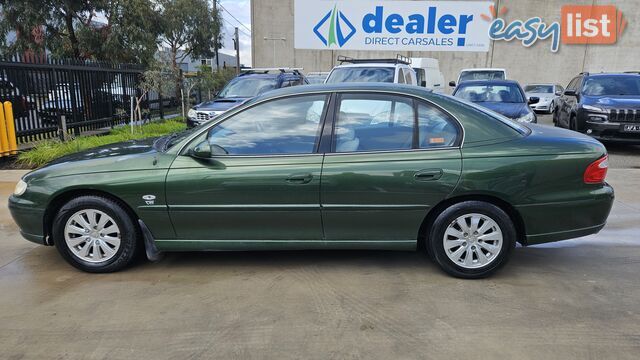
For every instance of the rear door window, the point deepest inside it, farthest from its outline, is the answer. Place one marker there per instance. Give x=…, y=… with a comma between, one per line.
x=373, y=122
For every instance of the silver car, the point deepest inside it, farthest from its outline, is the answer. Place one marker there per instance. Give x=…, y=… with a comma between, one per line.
x=548, y=95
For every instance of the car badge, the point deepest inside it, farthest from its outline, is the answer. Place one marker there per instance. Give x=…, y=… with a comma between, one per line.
x=149, y=199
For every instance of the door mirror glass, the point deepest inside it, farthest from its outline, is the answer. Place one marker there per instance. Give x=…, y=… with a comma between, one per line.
x=205, y=150
x=452, y=83
x=534, y=100
x=201, y=151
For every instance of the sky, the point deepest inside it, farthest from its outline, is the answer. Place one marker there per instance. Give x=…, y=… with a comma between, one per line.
x=241, y=10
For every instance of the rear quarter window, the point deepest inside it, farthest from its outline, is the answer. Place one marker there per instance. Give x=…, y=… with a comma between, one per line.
x=480, y=125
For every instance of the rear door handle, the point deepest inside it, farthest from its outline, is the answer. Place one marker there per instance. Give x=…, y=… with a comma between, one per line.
x=428, y=174
x=300, y=178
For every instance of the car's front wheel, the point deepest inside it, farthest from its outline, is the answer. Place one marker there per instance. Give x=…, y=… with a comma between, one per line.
x=95, y=234
x=471, y=239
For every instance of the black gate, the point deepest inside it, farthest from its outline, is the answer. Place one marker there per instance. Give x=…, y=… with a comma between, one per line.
x=85, y=95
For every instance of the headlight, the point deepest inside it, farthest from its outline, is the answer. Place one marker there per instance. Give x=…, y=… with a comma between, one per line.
x=593, y=108
x=21, y=187
x=191, y=113
x=529, y=117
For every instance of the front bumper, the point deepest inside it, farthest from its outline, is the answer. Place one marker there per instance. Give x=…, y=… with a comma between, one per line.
x=541, y=106
x=611, y=132
x=29, y=217
x=192, y=123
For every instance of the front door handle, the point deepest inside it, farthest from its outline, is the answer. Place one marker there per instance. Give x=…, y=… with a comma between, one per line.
x=300, y=178
x=428, y=174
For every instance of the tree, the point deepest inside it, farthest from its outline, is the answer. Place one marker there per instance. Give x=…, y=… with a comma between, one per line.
x=189, y=28
x=105, y=30
x=159, y=78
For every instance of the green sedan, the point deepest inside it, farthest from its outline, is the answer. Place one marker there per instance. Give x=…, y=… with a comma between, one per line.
x=347, y=166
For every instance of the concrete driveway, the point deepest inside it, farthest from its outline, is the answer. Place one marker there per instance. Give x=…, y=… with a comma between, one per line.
x=578, y=299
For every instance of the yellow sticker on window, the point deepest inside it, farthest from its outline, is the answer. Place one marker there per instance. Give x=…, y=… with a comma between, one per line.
x=436, y=140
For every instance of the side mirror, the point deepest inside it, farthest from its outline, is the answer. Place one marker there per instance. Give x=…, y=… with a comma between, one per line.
x=570, y=92
x=534, y=100
x=204, y=150
x=558, y=93
x=201, y=151
x=423, y=83
x=452, y=83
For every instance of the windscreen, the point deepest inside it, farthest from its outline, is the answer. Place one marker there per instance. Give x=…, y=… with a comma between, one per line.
x=506, y=93
x=481, y=75
x=361, y=74
x=612, y=86
x=539, y=89
x=248, y=87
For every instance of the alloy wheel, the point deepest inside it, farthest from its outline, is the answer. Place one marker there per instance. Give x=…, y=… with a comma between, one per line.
x=473, y=241
x=92, y=235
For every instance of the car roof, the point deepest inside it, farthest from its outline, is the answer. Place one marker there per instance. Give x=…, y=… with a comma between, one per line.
x=612, y=74
x=489, y=82
x=372, y=64
x=349, y=86
x=483, y=69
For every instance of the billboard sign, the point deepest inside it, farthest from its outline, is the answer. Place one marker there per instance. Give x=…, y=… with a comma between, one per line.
x=391, y=25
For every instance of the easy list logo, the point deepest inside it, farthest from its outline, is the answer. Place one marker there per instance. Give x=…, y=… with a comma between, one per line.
x=581, y=24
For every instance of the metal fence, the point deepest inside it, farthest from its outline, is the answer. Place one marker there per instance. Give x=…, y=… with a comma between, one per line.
x=80, y=95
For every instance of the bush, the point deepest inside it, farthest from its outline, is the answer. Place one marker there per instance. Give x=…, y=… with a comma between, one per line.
x=49, y=150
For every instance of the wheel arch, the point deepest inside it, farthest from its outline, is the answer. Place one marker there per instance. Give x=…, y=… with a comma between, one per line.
x=63, y=197
x=433, y=213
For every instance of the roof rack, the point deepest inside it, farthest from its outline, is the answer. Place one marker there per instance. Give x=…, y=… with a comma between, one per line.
x=398, y=60
x=267, y=70
x=585, y=73
x=632, y=72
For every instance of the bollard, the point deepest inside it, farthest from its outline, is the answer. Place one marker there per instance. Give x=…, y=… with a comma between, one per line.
x=11, y=128
x=4, y=139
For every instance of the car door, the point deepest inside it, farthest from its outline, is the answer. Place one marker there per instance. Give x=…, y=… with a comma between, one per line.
x=568, y=102
x=393, y=158
x=263, y=182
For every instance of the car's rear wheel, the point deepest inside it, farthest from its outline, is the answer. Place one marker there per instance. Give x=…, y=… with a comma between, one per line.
x=471, y=239
x=95, y=234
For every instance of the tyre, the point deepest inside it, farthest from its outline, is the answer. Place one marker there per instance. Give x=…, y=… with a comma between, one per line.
x=572, y=123
x=95, y=234
x=471, y=239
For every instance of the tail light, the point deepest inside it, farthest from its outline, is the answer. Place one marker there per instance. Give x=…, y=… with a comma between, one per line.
x=597, y=171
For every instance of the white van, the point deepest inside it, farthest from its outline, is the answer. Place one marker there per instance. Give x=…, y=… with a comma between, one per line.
x=428, y=74
x=395, y=71
x=480, y=74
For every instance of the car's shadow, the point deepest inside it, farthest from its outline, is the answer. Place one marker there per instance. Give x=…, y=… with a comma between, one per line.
x=529, y=261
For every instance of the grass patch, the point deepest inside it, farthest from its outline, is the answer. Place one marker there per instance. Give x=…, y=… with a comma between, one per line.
x=49, y=150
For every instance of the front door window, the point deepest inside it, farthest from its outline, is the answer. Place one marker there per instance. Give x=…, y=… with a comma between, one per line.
x=284, y=126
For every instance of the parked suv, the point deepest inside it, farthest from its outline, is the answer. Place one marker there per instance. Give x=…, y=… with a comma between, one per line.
x=604, y=105
x=249, y=84
x=396, y=71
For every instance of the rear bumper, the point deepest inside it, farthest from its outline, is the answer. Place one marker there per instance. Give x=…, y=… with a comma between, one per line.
x=567, y=220
x=29, y=219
